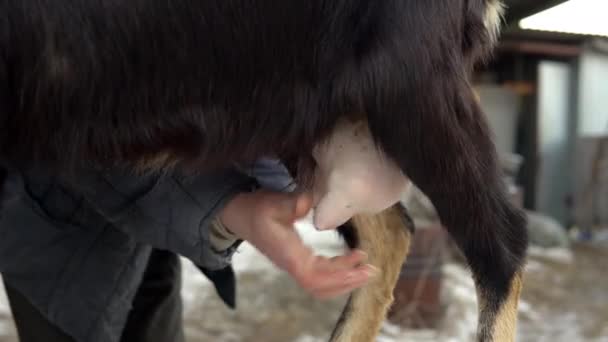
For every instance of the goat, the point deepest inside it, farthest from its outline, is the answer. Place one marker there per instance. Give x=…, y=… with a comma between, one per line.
x=200, y=84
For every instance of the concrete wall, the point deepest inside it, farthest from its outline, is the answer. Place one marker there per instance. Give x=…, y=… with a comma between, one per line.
x=501, y=107
x=554, y=136
x=593, y=94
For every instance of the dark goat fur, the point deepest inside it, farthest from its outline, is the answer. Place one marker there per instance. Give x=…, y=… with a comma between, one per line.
x=205, y=83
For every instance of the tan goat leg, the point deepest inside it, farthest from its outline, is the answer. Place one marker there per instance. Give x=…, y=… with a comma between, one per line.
x=386, y=238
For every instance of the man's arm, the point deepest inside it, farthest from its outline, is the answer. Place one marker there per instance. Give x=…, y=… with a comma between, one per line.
x=187, y=214
x=171, y=211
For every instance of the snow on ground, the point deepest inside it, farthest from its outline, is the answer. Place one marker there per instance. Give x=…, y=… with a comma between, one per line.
x=566, y=295
x=7, y=329
x=272, y=308
x=564, y=300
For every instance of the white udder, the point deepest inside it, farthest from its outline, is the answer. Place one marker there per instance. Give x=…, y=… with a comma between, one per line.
x=353, y=177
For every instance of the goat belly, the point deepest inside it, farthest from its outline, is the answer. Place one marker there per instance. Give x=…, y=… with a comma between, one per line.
x=353, y=177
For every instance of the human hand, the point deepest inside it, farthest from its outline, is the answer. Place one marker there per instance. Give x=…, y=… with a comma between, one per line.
x=266, y=220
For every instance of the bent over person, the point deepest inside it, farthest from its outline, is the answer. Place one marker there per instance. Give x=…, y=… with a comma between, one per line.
x=94, y=256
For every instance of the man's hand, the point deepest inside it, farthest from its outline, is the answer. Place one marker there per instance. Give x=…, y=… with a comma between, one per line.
x=266, y=220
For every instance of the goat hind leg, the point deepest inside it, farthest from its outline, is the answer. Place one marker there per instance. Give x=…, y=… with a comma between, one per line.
x=385, y=237
x=448, y=153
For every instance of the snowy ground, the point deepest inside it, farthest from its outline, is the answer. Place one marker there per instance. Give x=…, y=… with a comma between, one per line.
x=566, y=295
x=565, y=300
x=272, y=308
x=7, y=331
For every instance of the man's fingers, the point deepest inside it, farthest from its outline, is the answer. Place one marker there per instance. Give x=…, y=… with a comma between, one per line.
x=342, y=262
x=304, y=203
x=322, y=281
x=281, y=243
x=320, y=276
x=319, y=270
x=337, y=286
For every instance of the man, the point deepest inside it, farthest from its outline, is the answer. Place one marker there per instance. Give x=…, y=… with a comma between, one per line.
x=93, y=257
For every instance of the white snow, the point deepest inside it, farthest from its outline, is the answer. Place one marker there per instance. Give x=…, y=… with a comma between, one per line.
x=7, y=329
x=269, y=302
x=560, y=255
x=458, y=325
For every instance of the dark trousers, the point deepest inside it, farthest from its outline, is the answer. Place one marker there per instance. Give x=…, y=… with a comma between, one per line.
x=156, y=315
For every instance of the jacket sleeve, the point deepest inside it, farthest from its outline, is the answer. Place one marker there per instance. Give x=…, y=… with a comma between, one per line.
x=171, y=211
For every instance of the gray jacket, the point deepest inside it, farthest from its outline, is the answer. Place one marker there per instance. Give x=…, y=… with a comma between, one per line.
x=78, y=250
